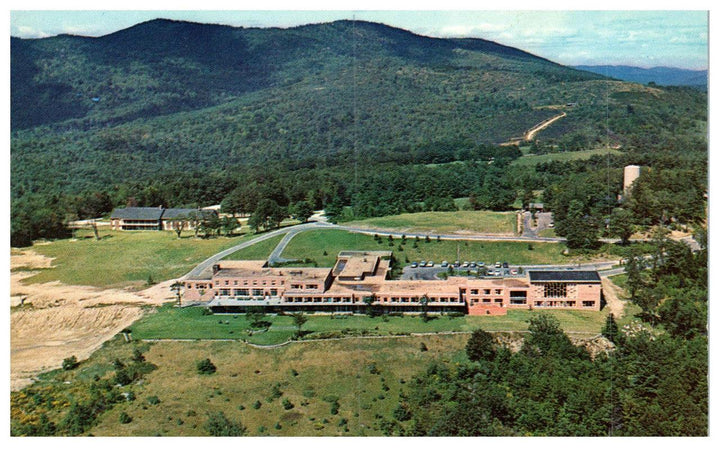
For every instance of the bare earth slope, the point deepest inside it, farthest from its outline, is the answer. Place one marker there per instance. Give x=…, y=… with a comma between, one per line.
x=52, y=321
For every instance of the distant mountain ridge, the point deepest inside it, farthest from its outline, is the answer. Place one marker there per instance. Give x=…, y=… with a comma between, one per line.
x=661, y=75
x=165, y=66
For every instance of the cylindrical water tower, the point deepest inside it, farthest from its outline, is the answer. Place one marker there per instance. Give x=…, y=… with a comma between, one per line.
x=631, y=173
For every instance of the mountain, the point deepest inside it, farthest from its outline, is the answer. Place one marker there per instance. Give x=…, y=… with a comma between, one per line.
x=166, y=98
x=664, y=76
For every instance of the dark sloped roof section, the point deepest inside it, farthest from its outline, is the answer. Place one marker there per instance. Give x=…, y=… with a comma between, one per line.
x=172, y=214
x=564, y=276
x=137, y=213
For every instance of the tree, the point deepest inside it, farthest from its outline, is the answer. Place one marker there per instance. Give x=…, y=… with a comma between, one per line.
x=424, y=307
x=178, y=226
x=228, y=225
x=620, y=224
x=611, y=330
x=547, y=338
x=480, y=346
x=218, y=424
x=205, y=367
x=299, y=320
x=302, y=210
x=176, y=287
x=579, y=228
x=70, y=363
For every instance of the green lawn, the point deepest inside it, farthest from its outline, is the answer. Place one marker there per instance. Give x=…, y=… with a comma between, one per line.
x=127, y=258
x=190, y=323
x=258, y=251
x=532, y=160
x=312, y=244
x=464, y=221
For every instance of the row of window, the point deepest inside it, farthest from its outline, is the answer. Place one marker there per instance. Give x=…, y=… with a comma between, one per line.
x=247, y=292
x=318, y=299
x=485, y=291
x=566, y=303
x=254, y=283
x=485, y=301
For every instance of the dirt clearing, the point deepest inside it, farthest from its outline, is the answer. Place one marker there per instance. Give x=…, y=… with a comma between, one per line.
x=52, y=321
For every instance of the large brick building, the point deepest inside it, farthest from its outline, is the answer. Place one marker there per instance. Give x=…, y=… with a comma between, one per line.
x=362, y=278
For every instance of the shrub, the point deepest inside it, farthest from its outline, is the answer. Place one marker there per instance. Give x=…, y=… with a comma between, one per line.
x=138, y=357
x=423, y=347
x=125, y=418
x=218, y=424
x=257, y=404
x=122, y=377
x=153, y=400
x=287, y=404
x=481, y=345
x=70, y=363
x=206, y=367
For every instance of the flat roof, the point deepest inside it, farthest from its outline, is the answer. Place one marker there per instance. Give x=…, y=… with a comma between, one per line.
x=564, y=276
x=357, y=266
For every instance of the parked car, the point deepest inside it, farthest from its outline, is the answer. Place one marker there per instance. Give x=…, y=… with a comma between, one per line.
x=423, y=263
x=431, y=264
x=505, y=265
x=498, y=264
x=513, y=271
x=481, y=264
x=457, y=264
x=444, y=264
x=414, y=265
x=473, y=265
x=465, y=264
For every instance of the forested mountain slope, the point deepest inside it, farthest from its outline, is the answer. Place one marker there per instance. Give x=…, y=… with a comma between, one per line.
x=179, y=113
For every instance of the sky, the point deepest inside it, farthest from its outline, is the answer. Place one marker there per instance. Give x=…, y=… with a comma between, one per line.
x=570, y=37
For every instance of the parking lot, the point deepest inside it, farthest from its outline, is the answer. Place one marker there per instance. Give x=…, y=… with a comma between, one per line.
x=428, y=273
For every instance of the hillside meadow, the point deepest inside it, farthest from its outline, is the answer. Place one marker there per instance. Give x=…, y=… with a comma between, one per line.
x=445, y=222
x=126, y=258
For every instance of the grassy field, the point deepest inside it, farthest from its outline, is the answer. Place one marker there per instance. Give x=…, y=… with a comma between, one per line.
x=190, y=323
x=364, y=376
x=532, y=160
x=312, y=244
x=445, y=222
x=258, y=251
x=126, y=258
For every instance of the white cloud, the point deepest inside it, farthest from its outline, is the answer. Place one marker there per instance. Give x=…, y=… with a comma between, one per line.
x=29, y=32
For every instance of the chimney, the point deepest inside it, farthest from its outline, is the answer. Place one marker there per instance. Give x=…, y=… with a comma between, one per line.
x=216, y=268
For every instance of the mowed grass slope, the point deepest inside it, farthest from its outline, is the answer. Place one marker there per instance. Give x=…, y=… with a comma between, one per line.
x=323, y=247
x=364, y=376
x=126, y=258
x=190, y=323
x=532, y=160
x=465, y=221
x=259, y=251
